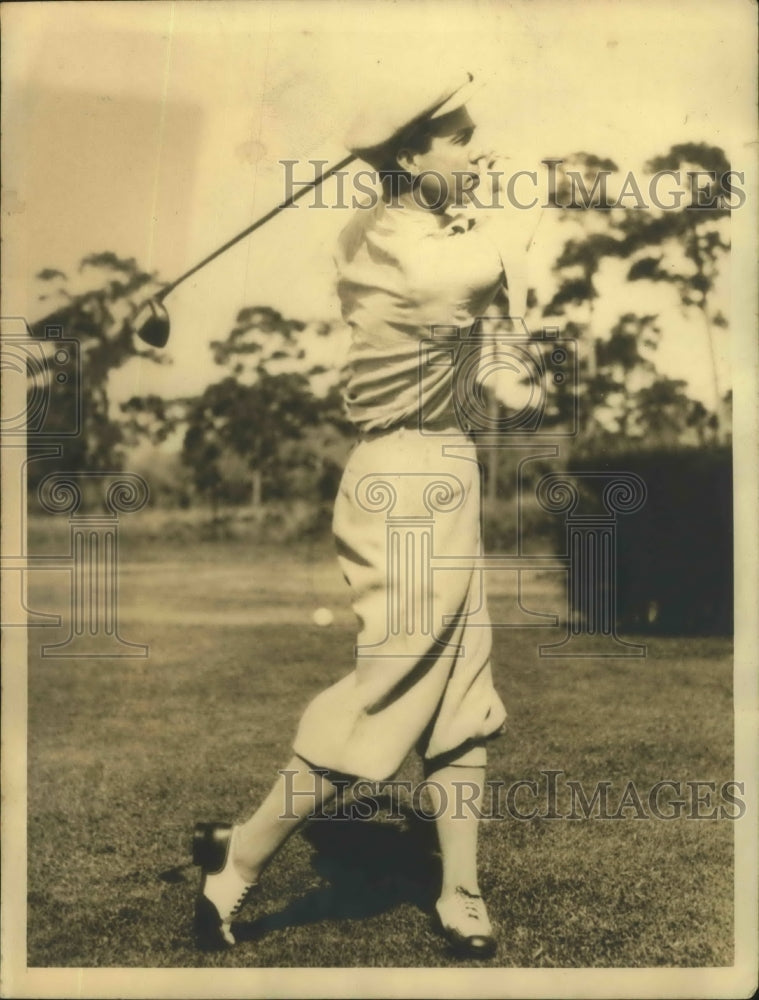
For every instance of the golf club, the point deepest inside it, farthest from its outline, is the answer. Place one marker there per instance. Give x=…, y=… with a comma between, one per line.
x=151, y=322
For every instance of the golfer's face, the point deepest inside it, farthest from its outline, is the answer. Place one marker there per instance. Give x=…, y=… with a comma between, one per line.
x=449, y=168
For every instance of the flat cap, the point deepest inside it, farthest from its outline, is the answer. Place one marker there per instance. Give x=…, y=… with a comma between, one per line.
x=396, y=108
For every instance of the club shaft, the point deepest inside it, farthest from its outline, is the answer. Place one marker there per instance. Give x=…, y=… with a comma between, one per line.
x=257, y=224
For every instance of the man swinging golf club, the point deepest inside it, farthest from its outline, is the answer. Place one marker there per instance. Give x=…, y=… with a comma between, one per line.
x=412, y=262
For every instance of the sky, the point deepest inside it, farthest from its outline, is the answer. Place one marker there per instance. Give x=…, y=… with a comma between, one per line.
x=155, y=130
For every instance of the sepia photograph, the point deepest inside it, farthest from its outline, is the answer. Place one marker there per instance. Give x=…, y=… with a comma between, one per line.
x=380, y=420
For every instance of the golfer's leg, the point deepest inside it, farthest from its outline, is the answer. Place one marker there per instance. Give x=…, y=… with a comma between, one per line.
x=297, y=793
x=459, y=790
x=460, y=909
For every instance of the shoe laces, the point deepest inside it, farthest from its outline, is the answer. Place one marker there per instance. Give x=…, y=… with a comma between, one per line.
x=472, y=903
x=241, y=901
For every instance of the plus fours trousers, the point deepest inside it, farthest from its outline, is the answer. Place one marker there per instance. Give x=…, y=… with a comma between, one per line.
x=407, y=528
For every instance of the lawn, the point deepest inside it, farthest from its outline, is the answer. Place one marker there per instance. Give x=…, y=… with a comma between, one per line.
x=125, y=756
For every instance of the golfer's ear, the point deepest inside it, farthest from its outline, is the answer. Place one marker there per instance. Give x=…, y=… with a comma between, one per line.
x=407, y=160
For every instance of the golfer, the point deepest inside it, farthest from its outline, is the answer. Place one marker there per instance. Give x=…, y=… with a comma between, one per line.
x=413, y=262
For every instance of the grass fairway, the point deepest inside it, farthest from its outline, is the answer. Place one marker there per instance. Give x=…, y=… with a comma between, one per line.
x=125, y=756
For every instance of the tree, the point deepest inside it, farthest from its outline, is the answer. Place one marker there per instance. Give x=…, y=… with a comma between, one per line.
x=663, y=412
x=252, y=422
x=684, y=246
x=584, y=206
x=689, y=244
x=96, y=314
x=622, y=365
x=584, y=203
x=272, y=402
x=263, y=419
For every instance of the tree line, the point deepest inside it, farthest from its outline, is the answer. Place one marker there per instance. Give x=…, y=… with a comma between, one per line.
x=271, y=425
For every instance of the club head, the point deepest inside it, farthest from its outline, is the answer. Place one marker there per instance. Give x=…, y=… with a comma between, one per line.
x=151, y=323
